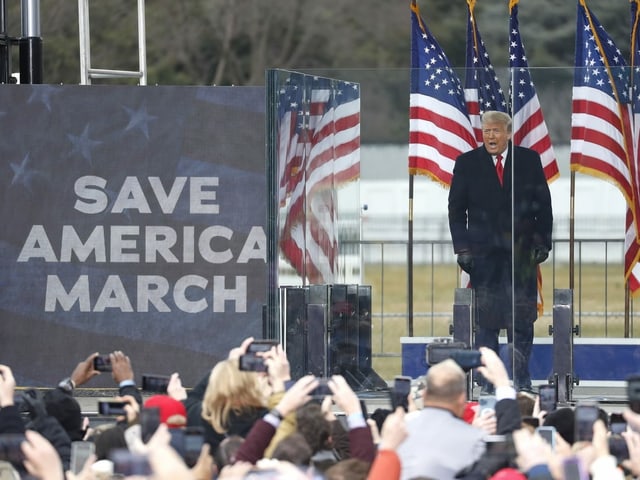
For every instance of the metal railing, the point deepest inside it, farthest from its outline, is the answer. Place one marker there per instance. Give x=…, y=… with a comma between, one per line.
x=601, y=306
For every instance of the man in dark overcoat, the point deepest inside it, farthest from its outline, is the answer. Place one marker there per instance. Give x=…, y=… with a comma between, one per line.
x=501, y=230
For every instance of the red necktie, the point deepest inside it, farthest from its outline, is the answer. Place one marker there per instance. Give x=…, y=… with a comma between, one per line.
x=499, y=168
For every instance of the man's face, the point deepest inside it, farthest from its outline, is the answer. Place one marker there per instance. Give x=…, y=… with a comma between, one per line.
x=495, y=137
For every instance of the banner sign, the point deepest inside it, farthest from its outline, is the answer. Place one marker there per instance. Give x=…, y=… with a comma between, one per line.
x=133, y=219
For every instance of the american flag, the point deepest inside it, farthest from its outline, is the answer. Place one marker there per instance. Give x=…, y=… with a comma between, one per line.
x=601, y=130
x=439, y=128
x=482, y=90
x=632, y=249
x=529, y=127
x=319, y=150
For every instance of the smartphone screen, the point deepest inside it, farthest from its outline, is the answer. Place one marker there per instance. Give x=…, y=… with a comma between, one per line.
x=80, y=451
x=617, y=423
x=548, y=434
x=400, y=392
x=584, y=417
x=250, y=362
x=149, y=422
x=548, y=400
x=193, y=441
x=573, y=469
x=111, y=408
x=261, y=346
x=486, y=402
x=155, y=383
x=102, y=363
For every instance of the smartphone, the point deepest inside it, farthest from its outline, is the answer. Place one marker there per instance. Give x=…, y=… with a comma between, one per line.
x=532, y=422
x=633, y=393
x=573, y=469
x=80, y=451
x=322, y=390
x=128, y=463
x=548, y=397
x=261, y=345
x=363, y=407
x=250, y=362
x=617, y=423
x=467, y=359
x=149, y=422
x=155, y=383
x=548, y=434
x=585, y=414
x=111, y=408
x=486, y=402
x=10, y=447
x=618, y=447
x=102, y=363
x=501, y=446
x=193, y=441
x=400, y=392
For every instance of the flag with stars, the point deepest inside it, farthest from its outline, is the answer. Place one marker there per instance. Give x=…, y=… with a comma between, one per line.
x=319, y=149
x=439, y=127
x=631, y=244
x=529, y=128
x=601, y=130
x=482, y=90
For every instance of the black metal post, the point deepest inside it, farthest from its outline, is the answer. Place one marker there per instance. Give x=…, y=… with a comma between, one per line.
x=5, y=45
x=30, y=43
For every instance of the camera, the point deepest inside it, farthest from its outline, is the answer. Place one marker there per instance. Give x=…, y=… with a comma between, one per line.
x=250, y=362
x=155, y=383
x=441, y=349
x=467, y=359
x=102, y=363
x=111, y=408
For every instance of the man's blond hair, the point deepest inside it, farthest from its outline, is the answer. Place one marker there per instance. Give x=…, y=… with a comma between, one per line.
x=494, y=116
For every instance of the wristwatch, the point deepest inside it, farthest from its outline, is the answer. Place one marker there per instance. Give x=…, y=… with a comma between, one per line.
x=67, y=385
x=276, y=414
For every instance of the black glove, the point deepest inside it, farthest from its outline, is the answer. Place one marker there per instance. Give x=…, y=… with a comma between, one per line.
x=539, y=254
x=465, y=260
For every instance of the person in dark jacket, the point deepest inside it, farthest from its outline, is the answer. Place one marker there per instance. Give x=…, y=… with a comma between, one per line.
x=500, y=218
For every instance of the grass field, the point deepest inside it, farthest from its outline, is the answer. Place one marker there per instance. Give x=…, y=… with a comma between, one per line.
x=599, y=304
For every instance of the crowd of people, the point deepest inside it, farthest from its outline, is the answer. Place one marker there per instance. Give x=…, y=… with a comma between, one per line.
x=239, y=424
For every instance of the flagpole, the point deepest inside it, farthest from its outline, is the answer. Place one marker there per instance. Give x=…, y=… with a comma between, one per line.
x=410, y=260
x=572, y=195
